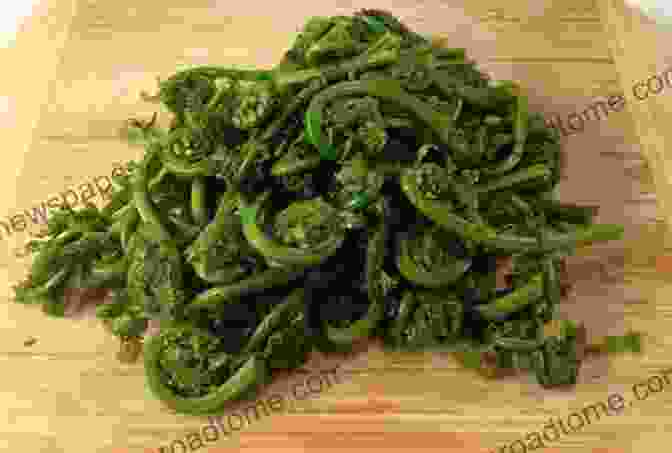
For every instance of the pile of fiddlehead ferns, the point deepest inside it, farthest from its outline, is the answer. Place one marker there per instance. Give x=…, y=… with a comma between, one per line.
x=368, y=185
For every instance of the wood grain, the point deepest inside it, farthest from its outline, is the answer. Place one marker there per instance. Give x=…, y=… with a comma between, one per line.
x=68, y=393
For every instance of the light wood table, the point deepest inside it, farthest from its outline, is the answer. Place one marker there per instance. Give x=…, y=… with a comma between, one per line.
x=75, y=75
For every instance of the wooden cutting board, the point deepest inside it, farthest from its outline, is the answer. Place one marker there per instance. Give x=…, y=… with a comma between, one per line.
x=75, y=76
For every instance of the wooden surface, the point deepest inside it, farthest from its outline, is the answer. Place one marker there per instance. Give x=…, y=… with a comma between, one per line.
x=637, y=45
x=89, y=60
